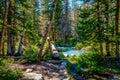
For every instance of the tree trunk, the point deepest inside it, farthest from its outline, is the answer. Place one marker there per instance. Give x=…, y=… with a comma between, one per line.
x=9, y=33
x=39, y=55
x=66, y=32
x=9, y=52
x=4, y=24
x=99, y=29
x=3, y=50
x=116, y=28
x=101, y=49
x=107, y=27
x=21, y=43
x=13, y=35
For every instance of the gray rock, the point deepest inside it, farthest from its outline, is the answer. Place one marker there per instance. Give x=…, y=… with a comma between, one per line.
x=32, y=76
x=56, y=56
x=28, y=70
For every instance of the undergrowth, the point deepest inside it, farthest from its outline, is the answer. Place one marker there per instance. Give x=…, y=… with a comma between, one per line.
x=8, y=74
x=90, y=63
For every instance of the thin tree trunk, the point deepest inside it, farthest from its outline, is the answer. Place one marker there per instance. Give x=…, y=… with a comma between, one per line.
x=66, y=22
x=13, y=35
x=107, y=27
x=21, y=43
x=4, y=24
x=3, y=50
x=101, y=49
x=116, y=28
x=9, y=35
x=39, y=55
x=99, y=29
x=9, y=52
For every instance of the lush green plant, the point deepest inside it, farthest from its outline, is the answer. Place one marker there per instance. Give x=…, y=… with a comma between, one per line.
x=92, y=63
x=31, y=53
x=79, y=46
x=8, y=74
x=61, y=56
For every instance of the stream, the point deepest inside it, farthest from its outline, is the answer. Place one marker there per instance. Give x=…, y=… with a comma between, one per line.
x=70, y=51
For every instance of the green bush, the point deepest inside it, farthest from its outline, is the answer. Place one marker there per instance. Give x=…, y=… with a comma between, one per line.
x=8, y=74
x=79, y=46
x=61, y=56
x=91, y=61
x=31, y=53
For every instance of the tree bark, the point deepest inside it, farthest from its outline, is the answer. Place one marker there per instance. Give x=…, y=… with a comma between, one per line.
x=107, y=27
x=66, y=31
x=39, y=55
x=4, y=24
x=14, y=27
x=21, y=43
x=99, y=29
x=9, y=52
x=116, y=28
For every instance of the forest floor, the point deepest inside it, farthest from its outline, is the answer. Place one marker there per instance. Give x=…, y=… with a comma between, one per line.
x=49, y=71
x=55, y=71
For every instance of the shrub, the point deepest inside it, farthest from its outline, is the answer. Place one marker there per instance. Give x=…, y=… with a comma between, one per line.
x=31, y=53
x=61, y=56
x=79, y=46
x=8, y=74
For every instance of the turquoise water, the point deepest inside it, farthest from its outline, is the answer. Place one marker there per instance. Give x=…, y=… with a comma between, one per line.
x=70, y=51
x=75, y=52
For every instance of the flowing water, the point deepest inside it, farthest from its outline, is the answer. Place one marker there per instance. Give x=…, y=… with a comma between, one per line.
x=70, y=51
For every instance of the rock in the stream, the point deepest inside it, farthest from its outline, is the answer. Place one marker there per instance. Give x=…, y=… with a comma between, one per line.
x=32, y=76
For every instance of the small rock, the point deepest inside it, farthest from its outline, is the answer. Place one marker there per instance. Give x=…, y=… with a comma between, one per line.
x=56, y=56
x=29, y=70
x=66, y=55
x=32, y=76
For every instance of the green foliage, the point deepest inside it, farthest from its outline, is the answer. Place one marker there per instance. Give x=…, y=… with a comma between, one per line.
x=8, y=74
x=92, y=63
x=3, y=64
x=31, y=53
x=69, y=42
x=79, y=46
x=61, y=56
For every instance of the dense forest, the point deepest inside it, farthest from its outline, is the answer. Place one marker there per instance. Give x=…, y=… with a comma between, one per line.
x=38, y=32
